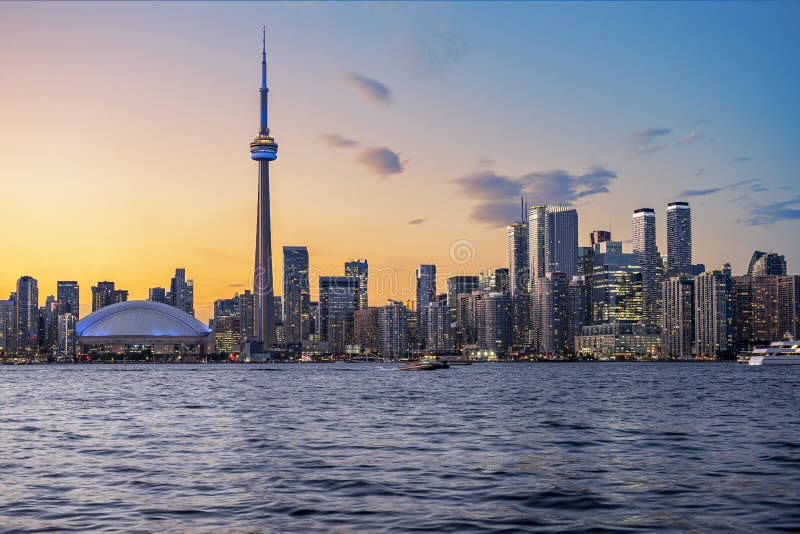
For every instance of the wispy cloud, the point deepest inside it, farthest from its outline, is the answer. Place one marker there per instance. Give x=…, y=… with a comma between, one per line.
x=418, y=221
x=647, y=141
x=381, y=161
x=435, y=54
x=338, y=141
x=766, y=214
x=498, y=195
x=368, y=88
x=654, y=139
x=754, y=186
x=742, y=159
x=235, y=285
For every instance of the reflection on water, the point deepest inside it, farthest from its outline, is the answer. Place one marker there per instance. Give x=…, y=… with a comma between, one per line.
x=364, y=447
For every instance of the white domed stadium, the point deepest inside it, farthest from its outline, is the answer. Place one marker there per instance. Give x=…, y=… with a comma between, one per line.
x=139, y=326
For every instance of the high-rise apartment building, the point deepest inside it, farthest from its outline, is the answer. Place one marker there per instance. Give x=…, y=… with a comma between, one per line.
x=27, y=315
x=366, y=330
x=157, y=294
x=393, y=329
x=767, y=264
x=493, y=320
x=579, y=308
x=68, y=295
x=677, y=324
x=337, y=297
x=649, y=260
x=713, y=321
x=549, y=324
x=359, y=269
x=181, y=292
x=459, y=285
x=8, y=329
x=438, y=325
x=553, y=241
x=103, y=294
x=679, y=239
x=426, y=292
x=296, y=294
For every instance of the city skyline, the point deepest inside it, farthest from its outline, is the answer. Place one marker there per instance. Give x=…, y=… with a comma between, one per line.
x=125, y=225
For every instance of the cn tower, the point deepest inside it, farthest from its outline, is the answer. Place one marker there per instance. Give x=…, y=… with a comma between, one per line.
x=264, y=149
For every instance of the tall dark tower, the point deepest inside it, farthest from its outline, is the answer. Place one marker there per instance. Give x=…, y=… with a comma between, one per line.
x=264, y=149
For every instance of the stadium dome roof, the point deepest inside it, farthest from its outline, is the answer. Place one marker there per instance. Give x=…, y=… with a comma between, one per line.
x=140, y=318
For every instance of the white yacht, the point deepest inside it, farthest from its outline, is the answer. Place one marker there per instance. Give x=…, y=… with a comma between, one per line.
x=785, y=352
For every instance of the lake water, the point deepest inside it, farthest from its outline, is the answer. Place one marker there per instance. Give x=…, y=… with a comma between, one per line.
x=364, y=447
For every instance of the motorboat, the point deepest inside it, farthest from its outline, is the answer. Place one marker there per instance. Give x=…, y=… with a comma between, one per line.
x=786, y=352
x=424, y=365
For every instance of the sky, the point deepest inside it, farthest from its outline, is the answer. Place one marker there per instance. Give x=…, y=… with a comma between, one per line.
x=407, y=133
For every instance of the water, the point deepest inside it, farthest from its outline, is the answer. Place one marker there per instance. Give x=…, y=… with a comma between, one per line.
x=346, y=447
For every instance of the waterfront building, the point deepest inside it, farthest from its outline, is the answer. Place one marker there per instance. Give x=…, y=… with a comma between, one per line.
x=579, y=308
x=157, y=294
x=765, y=309
x=366, y=330
x=649, y=260
x=263, y=149
x=493, y=318
x=393, y=327
x=549, y=324
x=616, y=285
x=426, y=292
x=8, y=330
x=296, y=294
x=65, y=341
x=618, y=341
x=181, y=292
x=337, y=297
x=677, y=326
x=713, y=314
x=246, y=303
x=359, y=269
x=141, y=326
x=437, y=320
x=26, y=301
x=679, y=239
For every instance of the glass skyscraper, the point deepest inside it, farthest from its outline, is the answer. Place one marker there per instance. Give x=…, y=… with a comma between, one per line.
x=649, y=259
x=296, y=294
x=679, y=239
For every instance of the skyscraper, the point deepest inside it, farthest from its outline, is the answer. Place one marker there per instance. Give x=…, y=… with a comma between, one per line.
x=553, y=241
x=103, y=294
x=679, y=239
x=519, y=280
x=579, y=308
x=359, y=269
x=27, y=315
x=713, y=321
x=296, y=294
x=493, y=316
x=263, y=149
x=649, y=260
x=392, y=325
x=599, y=236
x=616, y=285
x=336, y=308
x=550, y=326
x=8, y=329
x=459, y=285
x=438, y=322
x=181, y=292
x=426, y=291
x=68, y=294
x=677, y=326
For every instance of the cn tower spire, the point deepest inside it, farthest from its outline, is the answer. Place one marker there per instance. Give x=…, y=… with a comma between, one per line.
x=263, y=149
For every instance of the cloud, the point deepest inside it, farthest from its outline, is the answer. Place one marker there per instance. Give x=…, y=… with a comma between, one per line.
x=742, y=159
x=418, y=221
x=368, y=88
x=338, y=141
x=381, y=161
x=755, y=187
x=646, y=141
x=766, y=214
x=435, y=54
x=654, y=139
x=235, y=285
x=499, y=195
